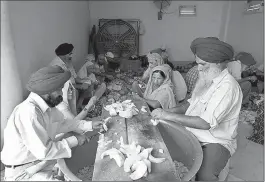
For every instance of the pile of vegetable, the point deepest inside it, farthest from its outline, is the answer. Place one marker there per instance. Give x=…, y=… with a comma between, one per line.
x=134, y=158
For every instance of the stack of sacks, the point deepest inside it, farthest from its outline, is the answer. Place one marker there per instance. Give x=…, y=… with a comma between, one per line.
x=126, y=109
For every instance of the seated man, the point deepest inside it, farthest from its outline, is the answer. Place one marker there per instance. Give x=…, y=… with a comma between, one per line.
x=30, y=145
x=75, y=85
x=95, y=71
x=212, y=112
x=243, y=62
x=64, y=60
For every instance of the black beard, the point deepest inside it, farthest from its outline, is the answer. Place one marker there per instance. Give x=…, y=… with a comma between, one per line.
x=54, y=102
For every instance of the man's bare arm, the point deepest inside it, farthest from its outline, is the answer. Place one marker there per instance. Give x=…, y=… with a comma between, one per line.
x=189, y=121
x=180, y=109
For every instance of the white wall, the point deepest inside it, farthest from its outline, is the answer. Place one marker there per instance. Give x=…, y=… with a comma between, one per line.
x=11, y=89
x=38, y=27
x=245, y=31
x=177, y=33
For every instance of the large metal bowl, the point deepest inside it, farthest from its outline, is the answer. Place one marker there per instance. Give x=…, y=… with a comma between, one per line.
x=183, y=147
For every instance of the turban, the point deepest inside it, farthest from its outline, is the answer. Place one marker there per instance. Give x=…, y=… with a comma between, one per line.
x=64, y=49
x=212, y=50
x=47, y=80
x=155, y=57
x=90, y=58
x=245, y=58
x=109, y=55
x=158, y=51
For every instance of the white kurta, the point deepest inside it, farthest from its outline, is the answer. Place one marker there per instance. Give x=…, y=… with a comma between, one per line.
x=31, y=129
x=220, y=107
x=64, y=106
x=235, y=69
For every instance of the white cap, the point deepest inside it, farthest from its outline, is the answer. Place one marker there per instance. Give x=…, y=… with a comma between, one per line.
x=163, y=47
x=109, y=54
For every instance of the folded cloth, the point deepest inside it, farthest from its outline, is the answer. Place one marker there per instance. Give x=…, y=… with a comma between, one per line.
x=212, y=50
x=47, y=80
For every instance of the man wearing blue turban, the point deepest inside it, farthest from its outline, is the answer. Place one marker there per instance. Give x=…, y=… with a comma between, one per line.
x=31, y=146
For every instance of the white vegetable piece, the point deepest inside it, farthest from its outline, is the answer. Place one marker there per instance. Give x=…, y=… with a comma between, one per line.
x=154, y=121
x=155, y=160
x=107, y=119
x=140, y=170
x=112, y=112
x=125, y=109
x=105, y=127
x=144, y=154
x=126, y=101
x=161, y=151
x=126, y=114
x=105, y=122
x=148, y=164
x=129, y=161
x=116, y=155
x=143, y=109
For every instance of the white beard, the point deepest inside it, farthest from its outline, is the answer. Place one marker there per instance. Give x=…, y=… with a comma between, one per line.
x=204, y=81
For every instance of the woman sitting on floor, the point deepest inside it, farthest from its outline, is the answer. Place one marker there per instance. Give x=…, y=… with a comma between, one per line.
x=159, y=91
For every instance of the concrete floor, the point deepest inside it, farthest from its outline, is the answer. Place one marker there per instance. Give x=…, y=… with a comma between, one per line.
x=247, y=164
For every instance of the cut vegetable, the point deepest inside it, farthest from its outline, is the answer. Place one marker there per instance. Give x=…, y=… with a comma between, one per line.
x=148, y=164
x=154, y=121
x=116, y=155
x=140, y=171
x=161, y=151
x=107, y=119
x=143, y=109
x=129, y=161
x=156, y=160
x=105, y=127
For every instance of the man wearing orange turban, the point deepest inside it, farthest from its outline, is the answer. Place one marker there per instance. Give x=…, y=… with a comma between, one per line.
x=31, y=146
x=212, y=112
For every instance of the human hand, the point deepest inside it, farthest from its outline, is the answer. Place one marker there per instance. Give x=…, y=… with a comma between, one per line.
x=252, y=78
x=157, y=113
x=110, y=77
x=24, y=175
x=136, y=96
x=93, y=100
x=97, y=125
x=81, y=139
x=83, y=86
